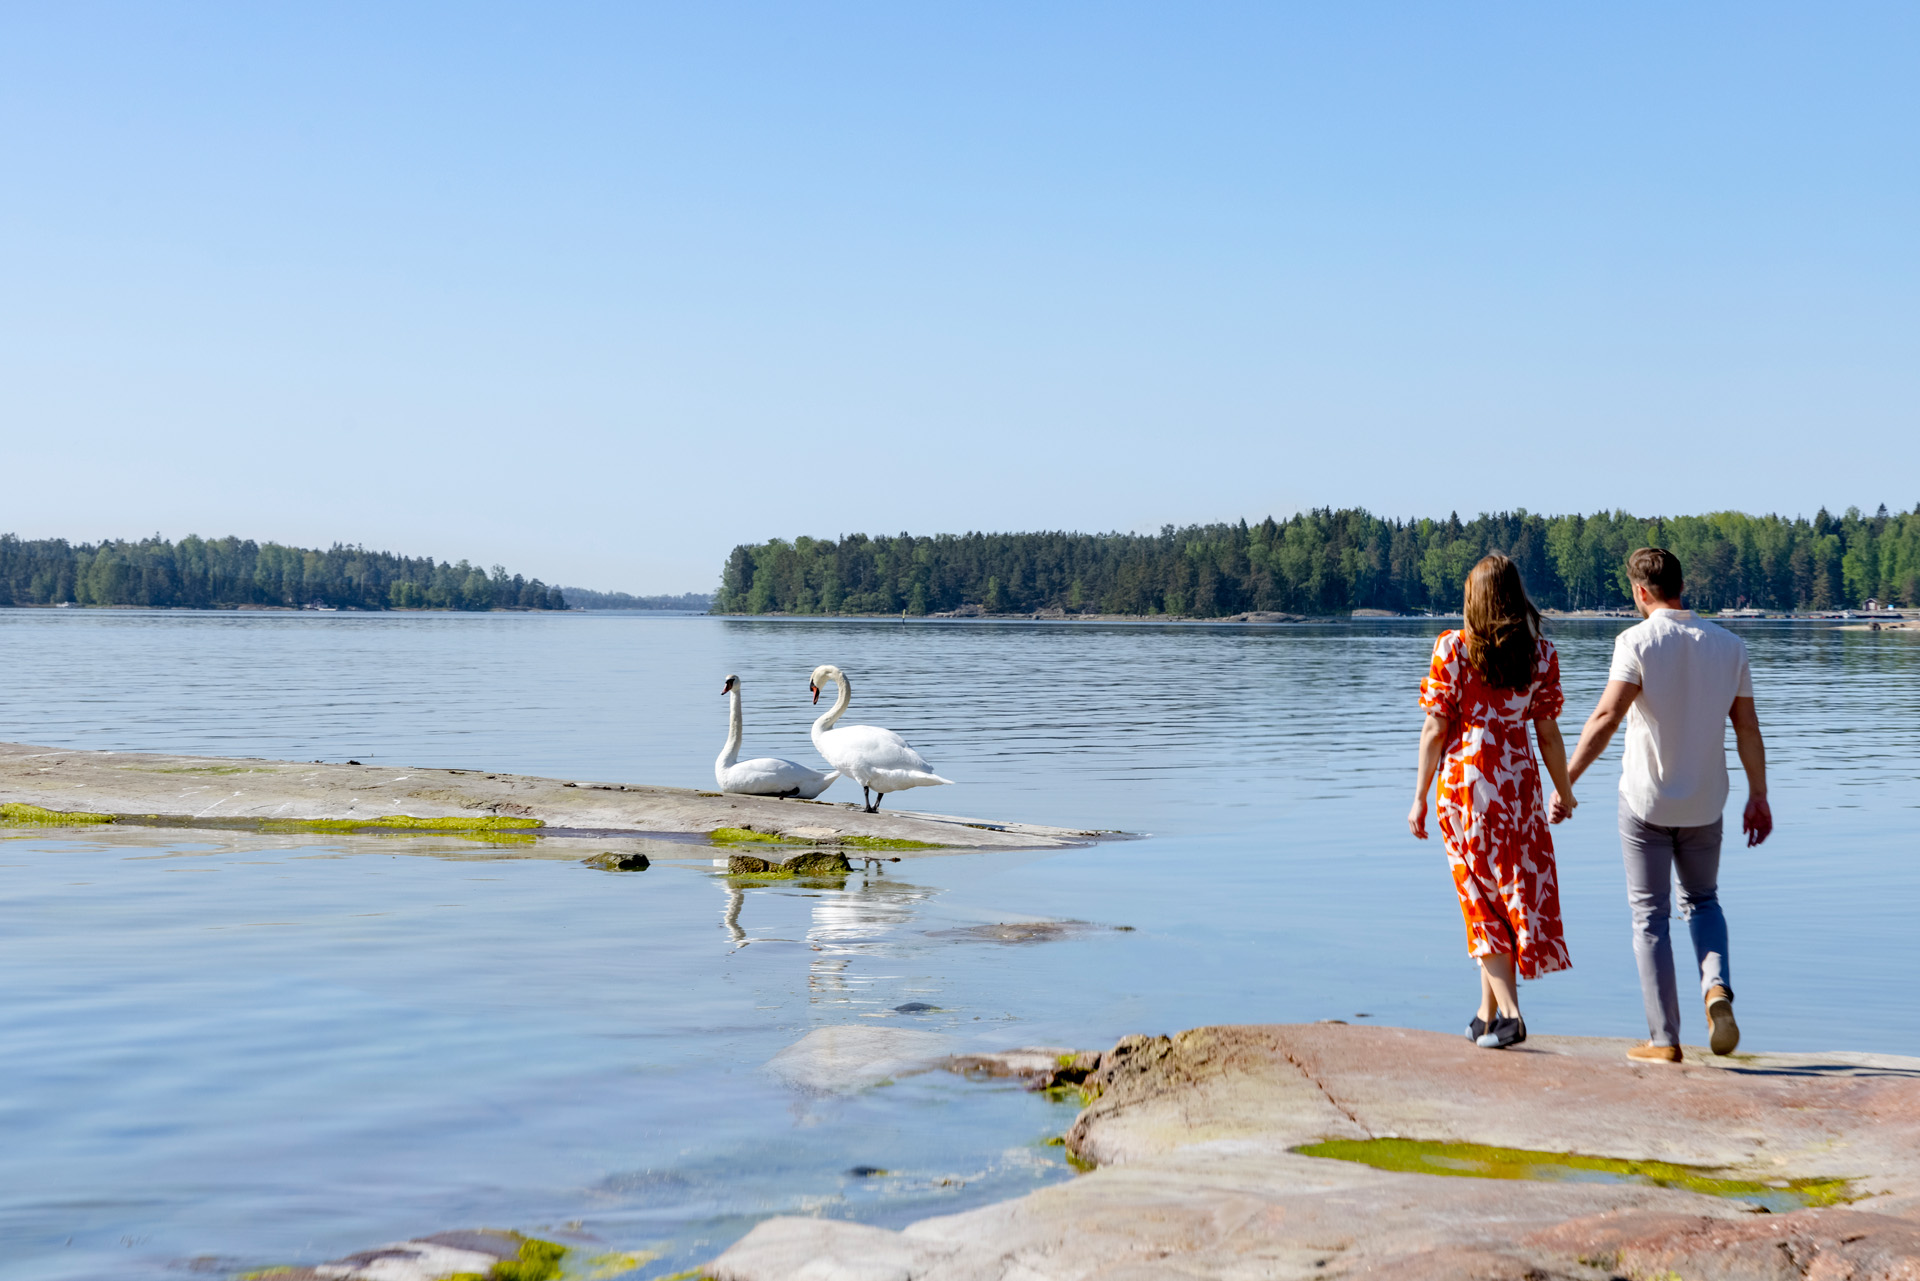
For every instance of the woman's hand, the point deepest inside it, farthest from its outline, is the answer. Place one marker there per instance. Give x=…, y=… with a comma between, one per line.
x=1433, y=744
x=1553, y=754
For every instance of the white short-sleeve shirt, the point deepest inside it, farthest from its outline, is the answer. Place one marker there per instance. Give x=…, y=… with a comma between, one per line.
x=1689, y=672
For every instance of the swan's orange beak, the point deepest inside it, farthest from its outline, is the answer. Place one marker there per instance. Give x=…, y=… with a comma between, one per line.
x=815, y=689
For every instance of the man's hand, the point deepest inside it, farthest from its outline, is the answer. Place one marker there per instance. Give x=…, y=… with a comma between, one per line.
x=1757, y=822
x=1560, y=808
x=1417, y=817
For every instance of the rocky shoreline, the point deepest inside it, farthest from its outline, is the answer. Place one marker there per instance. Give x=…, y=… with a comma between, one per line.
x=54, y=786
x=1196, y=1141
x=1208, y=1157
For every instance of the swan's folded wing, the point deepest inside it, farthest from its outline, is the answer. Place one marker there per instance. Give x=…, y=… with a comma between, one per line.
x=769, y=775
x=897, y=780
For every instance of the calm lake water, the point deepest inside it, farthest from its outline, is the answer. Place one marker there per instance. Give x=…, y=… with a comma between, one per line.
x=232, y=1052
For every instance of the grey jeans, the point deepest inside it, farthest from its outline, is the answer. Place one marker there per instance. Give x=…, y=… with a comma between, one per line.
x=1654, y=856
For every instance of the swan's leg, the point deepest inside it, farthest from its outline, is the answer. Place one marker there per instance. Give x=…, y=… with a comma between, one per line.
x=866, y=797
x=877, y=798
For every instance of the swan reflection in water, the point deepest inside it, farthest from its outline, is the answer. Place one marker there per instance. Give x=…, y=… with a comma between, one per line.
x=865, y=918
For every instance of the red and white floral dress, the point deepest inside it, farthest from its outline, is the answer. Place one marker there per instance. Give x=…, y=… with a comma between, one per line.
x=1491, y=813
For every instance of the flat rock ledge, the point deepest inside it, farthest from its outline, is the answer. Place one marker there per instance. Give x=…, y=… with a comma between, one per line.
x=1194, y=1134
x=223, y=792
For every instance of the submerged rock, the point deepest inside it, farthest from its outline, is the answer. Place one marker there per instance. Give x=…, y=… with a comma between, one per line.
x=613, y=861
x=1043, y=1068
x=483, y=1253
x=1017, y=931
x=839, y=1060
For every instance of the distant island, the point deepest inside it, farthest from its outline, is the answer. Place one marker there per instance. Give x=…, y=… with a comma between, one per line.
x=1326, y=562
x=235, y=573
x=581, y=598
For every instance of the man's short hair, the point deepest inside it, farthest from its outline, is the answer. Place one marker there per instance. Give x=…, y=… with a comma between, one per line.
x=1657, y=570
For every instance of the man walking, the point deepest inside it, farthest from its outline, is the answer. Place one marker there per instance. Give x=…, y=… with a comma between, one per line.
x=1676, y=680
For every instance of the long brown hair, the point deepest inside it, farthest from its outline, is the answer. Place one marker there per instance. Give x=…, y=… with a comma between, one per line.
x=1501, y=623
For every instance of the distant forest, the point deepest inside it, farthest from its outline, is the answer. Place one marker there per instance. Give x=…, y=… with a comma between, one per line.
x=215, y=573
x=1329, y=562
x=581, y=598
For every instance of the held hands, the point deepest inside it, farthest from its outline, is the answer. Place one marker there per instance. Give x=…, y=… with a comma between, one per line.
x=1560, y=808
x=1417, y=817
x=1757, y=822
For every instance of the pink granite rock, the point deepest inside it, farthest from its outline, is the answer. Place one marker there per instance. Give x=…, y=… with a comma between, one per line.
x=1194, y=1135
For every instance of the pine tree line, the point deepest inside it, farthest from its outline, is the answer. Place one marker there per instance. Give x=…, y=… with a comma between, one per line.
x=1328, y=562
x=216, y=573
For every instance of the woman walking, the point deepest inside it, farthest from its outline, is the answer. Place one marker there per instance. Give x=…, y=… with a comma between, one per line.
x=1487, y=681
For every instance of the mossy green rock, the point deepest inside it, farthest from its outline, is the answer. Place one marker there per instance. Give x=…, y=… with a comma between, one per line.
x=613, y=861
x=812, y=863
x=819, y=863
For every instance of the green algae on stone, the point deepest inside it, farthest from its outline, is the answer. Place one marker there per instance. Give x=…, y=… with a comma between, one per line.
x=13, y=812
x=882, y=843
x=746, y=835
x=1478, y=1161
x=403, y=823
x=537, y=1261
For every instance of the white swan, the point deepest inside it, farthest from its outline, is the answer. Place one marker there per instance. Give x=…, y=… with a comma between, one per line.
x=767, y=775
x=877, y=759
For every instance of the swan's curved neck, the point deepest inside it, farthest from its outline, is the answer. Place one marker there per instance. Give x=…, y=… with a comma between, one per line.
x=731, y=752
x=838, y=709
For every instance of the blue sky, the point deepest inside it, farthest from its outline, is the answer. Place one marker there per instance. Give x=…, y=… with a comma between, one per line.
x=598, y=291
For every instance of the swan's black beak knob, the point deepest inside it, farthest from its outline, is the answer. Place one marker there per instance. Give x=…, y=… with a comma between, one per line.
x=815, y=689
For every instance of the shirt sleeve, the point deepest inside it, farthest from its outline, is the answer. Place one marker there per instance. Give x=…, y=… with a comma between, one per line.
x=1440, y=691
x=1626, y=660
x=1547, y=699
x=1745, y=688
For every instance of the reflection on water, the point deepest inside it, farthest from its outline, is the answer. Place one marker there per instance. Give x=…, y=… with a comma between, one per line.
x=730, y=918
x=284, y=1048
x=860, y=922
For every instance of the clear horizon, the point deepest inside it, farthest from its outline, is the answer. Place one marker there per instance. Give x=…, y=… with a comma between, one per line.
x=597, y=293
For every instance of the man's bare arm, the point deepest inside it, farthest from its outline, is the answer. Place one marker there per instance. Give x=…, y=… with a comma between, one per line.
x=1599, y=729
x=1757, y=822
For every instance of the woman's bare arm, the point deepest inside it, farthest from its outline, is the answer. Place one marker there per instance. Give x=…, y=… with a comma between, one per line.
x=1433, y=745
x=1553, y=754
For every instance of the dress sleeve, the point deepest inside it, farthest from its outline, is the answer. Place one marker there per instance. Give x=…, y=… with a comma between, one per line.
x=1440, y=691
x=1547, y=700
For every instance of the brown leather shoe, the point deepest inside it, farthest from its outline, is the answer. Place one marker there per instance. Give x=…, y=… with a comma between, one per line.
x=1723, y=1034
x=1651, y=1053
